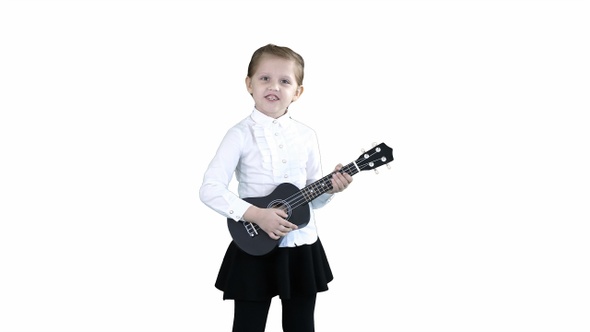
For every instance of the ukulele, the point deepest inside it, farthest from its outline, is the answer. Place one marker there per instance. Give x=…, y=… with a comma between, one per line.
x=295, y=202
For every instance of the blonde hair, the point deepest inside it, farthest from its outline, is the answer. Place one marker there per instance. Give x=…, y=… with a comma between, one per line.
x=281, y=52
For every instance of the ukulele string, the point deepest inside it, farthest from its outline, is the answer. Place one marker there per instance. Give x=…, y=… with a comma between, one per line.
x=315, y=189
x=299, y=198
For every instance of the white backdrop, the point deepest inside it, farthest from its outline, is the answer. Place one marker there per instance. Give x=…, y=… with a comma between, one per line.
x=111, y=110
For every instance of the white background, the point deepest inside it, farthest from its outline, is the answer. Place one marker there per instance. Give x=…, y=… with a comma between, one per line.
x=111, y=110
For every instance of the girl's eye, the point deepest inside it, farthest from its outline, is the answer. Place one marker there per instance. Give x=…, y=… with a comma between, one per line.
x=264, y=78
x=285, y=81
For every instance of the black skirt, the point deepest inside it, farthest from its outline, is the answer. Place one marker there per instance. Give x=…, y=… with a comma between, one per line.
x=286, y=272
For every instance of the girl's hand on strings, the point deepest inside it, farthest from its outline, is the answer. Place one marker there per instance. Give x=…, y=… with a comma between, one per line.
x=271, y=220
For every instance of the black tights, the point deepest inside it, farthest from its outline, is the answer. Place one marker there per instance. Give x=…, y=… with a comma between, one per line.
x=298, y=315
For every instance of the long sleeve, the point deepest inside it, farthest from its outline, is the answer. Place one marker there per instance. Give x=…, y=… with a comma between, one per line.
x=214, y=190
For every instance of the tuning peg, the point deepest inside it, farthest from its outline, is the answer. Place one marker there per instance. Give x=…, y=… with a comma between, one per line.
x=374, y=144
x=376, y=171
x=362, y=150
x=388, y=166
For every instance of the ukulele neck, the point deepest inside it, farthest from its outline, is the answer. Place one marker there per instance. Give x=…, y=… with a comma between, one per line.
x=323, y=185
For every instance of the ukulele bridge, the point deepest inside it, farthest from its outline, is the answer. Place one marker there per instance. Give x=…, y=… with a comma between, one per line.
x=251, y=228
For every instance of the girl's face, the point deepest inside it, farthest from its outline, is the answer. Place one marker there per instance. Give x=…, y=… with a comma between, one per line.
x=273, y=85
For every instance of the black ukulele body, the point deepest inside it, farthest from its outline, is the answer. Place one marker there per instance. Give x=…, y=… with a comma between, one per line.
x=253, y=240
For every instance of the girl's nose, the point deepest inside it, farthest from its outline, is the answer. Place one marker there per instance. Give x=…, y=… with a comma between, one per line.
x=273, y=86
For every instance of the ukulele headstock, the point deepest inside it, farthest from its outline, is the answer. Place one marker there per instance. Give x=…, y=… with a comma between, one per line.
x=377, y=156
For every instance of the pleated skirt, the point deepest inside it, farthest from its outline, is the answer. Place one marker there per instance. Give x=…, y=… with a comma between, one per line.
x=285, y=272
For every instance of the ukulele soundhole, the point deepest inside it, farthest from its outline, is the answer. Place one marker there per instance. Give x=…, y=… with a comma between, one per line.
x=283, y=205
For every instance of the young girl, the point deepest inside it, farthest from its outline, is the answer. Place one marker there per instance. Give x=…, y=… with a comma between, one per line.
x=264, y=150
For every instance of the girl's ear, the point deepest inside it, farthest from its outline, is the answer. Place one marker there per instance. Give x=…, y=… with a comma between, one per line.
x=249, y=84
x=298, y=93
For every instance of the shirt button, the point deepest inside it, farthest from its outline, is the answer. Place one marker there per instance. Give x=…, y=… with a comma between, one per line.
x=286, y=176
x=281, y=146
x=276, y=134
x=231, y=211
x=284, y=161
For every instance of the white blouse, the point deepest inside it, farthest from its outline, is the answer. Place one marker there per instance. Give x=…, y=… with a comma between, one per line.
x=264, y=152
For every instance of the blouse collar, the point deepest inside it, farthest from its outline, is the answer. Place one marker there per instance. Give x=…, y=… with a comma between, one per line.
x=265, y=120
